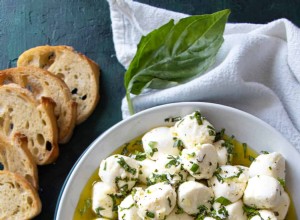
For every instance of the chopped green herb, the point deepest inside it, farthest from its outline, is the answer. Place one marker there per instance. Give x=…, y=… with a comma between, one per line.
x=125, y=149
x=218, y=176
x=104, y=166
x=264, y=152
x=245, y=146
x=194, y=168
x=178, y=143
x=173, y=162
x=250, y=211
x=126, y=167
x=198, y=117
x=98, y=210
x=152, y=145
x=139, y=156
x=211, y=131
x=125, y=208
x=113, y=198
x=150, y=214
x=156, y=178
x=235, y=176
x=223, y=212
x=223, y=201
x=86, y=206
x=179, y=210
x=220, y=135
x=192, y=154
x=281, y=181
x=171, y=119
x=251, y=158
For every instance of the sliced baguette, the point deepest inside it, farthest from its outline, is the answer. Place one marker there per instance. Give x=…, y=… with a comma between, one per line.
x=79, y=72
x=15, y=157
x=21, y=113
x=18, y=199
x=44, y=84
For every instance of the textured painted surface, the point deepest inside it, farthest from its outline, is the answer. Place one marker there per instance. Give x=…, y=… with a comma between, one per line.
x=85, y=25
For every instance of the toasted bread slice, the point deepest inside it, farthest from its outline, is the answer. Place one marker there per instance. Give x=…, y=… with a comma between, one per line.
x=15, y=157
x=18, y=199
x=79, y=73
x=22, y=113
x=45, y=84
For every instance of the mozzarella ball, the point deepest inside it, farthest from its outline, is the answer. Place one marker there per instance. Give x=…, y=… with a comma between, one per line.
x=172, y=168
x=282, y=209
x=223, y=155
x=156, y=201
x=147, y=167
x=200, y=162
x=119, y=171
x=159, y=141
x=127, y=210
x=192, y=195
x=194, y=130
x=176, y=215
x=264, y=215
x=102, y=200
x=234, y=211
x=272, y=164
x=229, y=182
x=263, y=192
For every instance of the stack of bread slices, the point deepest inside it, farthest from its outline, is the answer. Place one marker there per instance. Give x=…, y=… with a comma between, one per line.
x=52, y=89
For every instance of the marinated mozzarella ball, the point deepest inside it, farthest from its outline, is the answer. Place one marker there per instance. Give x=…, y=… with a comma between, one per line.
x=264, y=215
x=159, y=141
x=156, y=201
x=171, y=168
x=147, y=167
x=200, y=162
x=192, y=195
x=103, y=201
x=177, y=215
x=127, y=210
x=232, y=211
x=194, y=130
x=272, y=164
x=263, y=192
x=229, y=182
x=223, y=156
x=119, y=171
x=282, y=209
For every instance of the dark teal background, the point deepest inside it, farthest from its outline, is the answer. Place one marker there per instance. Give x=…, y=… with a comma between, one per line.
x=85, y=25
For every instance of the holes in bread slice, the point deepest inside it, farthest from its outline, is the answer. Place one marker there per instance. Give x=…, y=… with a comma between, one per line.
x=29, y=201
x=74, y=91
x=1, y=166
x=40, y=139
x=84, y=97
x=29, y=178
x=48, y=146
x=49, y=60
x=60, y=75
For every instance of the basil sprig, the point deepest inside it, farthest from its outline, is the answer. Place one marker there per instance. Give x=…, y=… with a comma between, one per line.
x=175, y=53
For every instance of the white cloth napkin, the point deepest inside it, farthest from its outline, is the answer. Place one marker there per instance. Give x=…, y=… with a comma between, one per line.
x=257, y=68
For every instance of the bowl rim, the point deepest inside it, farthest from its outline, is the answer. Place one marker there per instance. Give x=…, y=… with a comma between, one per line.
x=140, y=114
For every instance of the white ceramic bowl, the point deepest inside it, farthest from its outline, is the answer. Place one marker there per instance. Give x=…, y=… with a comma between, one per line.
x=246, y=128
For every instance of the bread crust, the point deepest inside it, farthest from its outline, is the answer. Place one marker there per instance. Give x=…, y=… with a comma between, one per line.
x=18, y=199
x=15, y=157
x=45, y=84
x=79, y=72
x=22, y=113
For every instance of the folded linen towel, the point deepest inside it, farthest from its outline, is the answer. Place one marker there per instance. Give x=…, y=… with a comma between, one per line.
x=257, y=69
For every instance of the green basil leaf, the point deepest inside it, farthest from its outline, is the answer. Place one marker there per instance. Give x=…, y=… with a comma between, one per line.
x=175, y=53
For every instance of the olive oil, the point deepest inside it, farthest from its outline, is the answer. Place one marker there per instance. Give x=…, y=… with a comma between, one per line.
x=242, y=155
